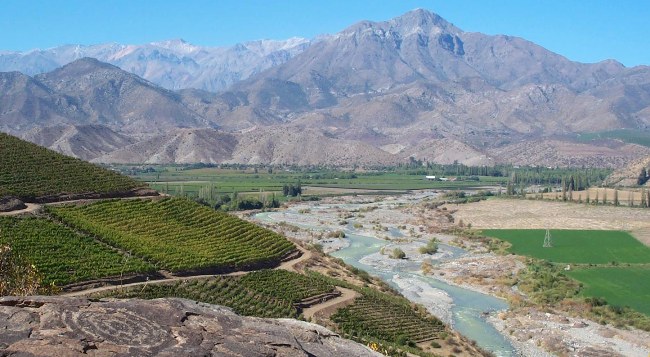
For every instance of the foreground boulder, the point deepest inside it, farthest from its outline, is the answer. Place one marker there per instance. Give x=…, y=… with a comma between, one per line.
x=58, y=326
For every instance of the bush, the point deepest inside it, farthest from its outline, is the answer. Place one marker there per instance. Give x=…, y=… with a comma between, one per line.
x=17, y=277
x=398, y=254
x=430, y=248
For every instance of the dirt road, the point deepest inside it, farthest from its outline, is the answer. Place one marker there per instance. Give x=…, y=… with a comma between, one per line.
x=31, y=208
x=347, y=296
x=290, y=265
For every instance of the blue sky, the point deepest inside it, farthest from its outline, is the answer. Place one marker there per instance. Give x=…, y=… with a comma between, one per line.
x=582, y=30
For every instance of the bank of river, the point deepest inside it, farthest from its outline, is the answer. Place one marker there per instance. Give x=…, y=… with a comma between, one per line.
x=468, y=308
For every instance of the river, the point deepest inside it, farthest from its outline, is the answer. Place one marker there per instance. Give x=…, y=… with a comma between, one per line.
x=469, y=307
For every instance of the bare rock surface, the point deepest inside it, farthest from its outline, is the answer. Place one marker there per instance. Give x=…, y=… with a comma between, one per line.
x=58, y=326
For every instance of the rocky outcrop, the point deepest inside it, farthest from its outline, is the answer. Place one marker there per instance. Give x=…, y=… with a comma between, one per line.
x=10, y=203
x=57, y=326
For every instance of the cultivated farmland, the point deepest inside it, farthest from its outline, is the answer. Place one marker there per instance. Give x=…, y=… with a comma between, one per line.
x=43, y=172
x=389, y=319
x=620, y=286
x=62, y=255
x=266, y=293
x=575, y=246
x=178, y=234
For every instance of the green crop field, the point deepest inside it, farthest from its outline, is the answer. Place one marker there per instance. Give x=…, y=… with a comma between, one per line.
x=626, y=135
x=265, y=293
x=30, y=172
x=178, y=234
x=179, y=180
x=621, y=286
x=190, y=182
x=63, y=256
x=575, y=246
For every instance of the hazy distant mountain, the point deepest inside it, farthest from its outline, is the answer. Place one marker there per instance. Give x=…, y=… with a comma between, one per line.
x=173, y=64
x=91, y=92
x=374, y=93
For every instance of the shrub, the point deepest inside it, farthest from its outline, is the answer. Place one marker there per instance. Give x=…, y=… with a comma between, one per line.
x=398, y=254
x=430, y=248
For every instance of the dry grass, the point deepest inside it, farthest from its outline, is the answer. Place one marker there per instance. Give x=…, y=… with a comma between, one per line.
x=624, y=196
x=530, y=214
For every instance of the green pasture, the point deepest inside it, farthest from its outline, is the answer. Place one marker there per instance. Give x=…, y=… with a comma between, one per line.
x=626, y=135
x=173, y=180
x=619, y=286
x=575, y=246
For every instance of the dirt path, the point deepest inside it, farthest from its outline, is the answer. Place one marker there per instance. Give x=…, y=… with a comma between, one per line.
x=291, y=264
x=144, y=283
x=91, y=200
x=31, y=208
x=347, y=296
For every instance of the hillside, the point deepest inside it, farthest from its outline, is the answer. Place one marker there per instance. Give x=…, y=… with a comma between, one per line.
x=82, y=141
x=628, y=175
x=33, y=173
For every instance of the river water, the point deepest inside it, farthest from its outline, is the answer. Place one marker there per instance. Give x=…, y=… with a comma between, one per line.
x=469, y=306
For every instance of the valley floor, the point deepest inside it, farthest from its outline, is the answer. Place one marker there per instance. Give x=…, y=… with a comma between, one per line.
x=408, y=221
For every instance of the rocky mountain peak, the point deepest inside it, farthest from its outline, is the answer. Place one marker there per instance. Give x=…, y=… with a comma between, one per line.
x=178, y=45
x=422, y=20
x=83, y=66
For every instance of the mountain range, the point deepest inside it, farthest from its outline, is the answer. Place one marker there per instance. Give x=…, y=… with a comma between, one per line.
x=375, y=93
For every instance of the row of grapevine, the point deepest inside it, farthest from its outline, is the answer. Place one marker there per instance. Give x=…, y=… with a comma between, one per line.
x=376, y=316
x=63, y=256
x=178, y=234
x=30, y=171
x=289, y=286
x=254, y=294
x=385, y=318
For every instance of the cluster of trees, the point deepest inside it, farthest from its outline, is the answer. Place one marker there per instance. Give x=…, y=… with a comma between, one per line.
x=235, y=202
x=292, y=190
x=643, y=177
x=574, y=181
x=518, y=177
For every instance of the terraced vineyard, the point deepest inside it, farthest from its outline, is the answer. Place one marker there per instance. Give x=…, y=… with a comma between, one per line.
x=267, y=293
x=290, y=286
x=63, y=256
x=386, y=318
x=178, y=234
x=43, y=172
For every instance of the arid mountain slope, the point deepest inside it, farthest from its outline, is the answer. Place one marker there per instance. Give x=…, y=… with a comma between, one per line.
x=418, y=71
x=180, y=146
x=83, y=141
x=553, y=153
x=628, y=175
x=414, y=86
x=278, y=146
